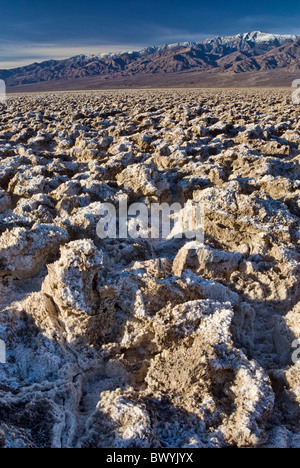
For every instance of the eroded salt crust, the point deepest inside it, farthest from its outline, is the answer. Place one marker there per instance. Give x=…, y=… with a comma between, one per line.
x=140, y=343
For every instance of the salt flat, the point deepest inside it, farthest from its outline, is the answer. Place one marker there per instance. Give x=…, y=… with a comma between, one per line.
x=141, y=342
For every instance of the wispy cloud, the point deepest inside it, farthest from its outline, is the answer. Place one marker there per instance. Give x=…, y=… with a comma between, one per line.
x=18, y=55
x=168, y=34
x=270, y=23
x=16, y=51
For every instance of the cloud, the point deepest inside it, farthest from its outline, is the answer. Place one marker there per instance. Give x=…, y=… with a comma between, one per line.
x=271, y=23
x=18, y=54
x=168, y=34
x=15, y=53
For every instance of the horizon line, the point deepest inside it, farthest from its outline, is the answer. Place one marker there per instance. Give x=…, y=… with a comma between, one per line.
x=128, y=50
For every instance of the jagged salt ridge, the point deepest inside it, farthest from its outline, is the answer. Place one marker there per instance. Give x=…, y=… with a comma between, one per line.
x=144, y=342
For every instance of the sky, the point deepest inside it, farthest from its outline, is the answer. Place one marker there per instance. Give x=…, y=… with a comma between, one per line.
x=37, y=30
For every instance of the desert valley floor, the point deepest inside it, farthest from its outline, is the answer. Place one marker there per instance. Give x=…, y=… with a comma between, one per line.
x=147, y=342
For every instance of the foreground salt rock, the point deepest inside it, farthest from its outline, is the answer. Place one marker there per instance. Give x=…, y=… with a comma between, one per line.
x=150, y=342
x=23, y=252
x=70, y=279
x=203, y=259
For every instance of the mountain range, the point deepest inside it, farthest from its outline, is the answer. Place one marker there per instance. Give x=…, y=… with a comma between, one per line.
x=256, y=57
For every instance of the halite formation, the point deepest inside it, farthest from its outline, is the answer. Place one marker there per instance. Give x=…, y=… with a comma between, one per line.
x=149, y=342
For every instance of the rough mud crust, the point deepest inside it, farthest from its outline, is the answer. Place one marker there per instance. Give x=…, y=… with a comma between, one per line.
x=147, y=343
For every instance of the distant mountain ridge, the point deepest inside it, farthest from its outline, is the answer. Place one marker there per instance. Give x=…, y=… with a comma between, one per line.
x=256, y=40
x=248, y=52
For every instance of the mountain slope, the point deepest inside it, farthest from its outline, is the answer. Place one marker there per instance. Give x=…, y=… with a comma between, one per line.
x=250, y=52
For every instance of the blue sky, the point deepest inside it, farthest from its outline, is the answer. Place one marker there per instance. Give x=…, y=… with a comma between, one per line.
x=37, y=30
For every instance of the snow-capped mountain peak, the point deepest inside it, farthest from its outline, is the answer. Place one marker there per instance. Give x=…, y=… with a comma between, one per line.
x=265, y=41
x=249, y=52
x=256, y=37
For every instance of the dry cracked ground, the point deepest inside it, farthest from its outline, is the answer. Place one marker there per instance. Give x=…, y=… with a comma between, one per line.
x=150, y=343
